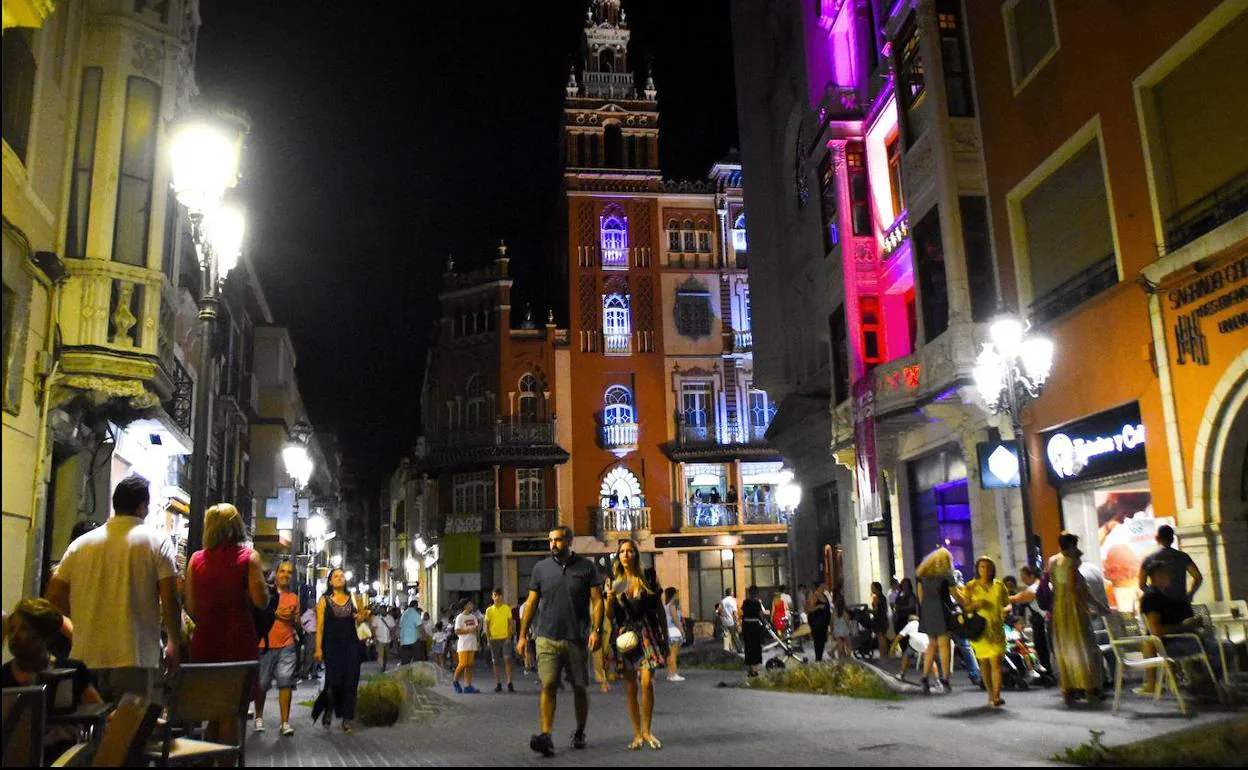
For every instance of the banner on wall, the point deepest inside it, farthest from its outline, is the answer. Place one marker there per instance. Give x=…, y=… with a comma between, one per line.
x=866, y=466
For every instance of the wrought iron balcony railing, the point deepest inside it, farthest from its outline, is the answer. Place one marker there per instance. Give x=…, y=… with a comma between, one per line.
x=513, y=521
x=1076, y=290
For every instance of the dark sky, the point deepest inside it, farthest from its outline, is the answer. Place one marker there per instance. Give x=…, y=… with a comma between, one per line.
x=386, y=135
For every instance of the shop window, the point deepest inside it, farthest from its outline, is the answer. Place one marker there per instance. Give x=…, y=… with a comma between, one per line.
x=910, y=79
x=953, y=59
x=979, y=262
x=940, y=507
x=859, y=196
x=827, y=203
x=614, y=238
x=1030, y=35
x=138, y=163
x=83, y=172
x=692, y=313
x=872, y=331
x=930, y=268
x=710, y=572
x=19, y=88
x=765, y=568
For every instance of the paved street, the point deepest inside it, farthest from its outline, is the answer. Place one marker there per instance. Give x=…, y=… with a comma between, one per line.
x=701, y=723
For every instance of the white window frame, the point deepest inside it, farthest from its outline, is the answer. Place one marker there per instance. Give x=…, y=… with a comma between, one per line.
x=528, y=394
x=473, y=493
x=617, y=244
x=1020, y=81
x=618, y=406
x=530, y=488
x=704, y=388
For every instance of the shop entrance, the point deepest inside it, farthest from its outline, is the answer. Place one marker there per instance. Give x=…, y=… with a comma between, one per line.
x=940, y=507
x=1116, y=527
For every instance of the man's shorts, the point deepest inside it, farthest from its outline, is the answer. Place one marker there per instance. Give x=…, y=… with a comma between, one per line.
x=277, y=664
x=555, y=656
x=500, y=649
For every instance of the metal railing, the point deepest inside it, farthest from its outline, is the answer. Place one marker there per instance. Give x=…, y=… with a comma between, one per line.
x=699, y=515
x=622, y=520
x=732, y=432
x=697, y=434
x=766, y=512
x=1210, y=210
x=620, y=435
x=499, y=434
x=528, y=520
x=743, y=341
x=1076, y=290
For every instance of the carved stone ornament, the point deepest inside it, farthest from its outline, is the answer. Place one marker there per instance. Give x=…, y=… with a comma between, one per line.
x=148, y=60
x=965, y=137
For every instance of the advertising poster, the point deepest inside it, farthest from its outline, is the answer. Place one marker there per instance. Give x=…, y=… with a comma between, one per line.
x=866, y=470
x=1126, y=529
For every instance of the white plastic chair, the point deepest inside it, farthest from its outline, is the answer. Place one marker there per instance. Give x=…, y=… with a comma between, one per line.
x=1127, y=645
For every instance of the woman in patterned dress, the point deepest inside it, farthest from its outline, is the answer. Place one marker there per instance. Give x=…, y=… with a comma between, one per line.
x=1074, y=647
x=987, y=597
x=635, y=604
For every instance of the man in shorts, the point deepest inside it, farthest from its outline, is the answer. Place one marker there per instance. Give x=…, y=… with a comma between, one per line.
x=498, y=624
x=277, y=652
x=567, y=593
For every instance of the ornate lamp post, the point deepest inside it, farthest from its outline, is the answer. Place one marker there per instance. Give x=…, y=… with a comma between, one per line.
x=205, y=164
x=1010, y=371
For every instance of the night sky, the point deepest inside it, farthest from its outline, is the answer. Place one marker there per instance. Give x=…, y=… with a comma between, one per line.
x=386, y=135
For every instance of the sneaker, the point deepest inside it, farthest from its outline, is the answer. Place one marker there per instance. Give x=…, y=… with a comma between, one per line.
x=498, y=687
x=259, y=725
x=676, y=678
x=470, y=690
x=944, y=685
x=457, y=687
x=287, y=730
x=578, y=740
x=510, y=688
x=543, y=744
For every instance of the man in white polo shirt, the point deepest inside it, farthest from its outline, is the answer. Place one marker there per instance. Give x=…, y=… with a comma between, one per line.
x=118, y=582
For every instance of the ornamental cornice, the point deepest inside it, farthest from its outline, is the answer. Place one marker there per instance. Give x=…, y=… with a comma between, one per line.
x=105, y=364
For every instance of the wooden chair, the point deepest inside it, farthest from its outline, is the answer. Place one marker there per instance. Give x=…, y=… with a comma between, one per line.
x=24, y=712
x=203, y=692
x=1127, y=643
x=124, y=740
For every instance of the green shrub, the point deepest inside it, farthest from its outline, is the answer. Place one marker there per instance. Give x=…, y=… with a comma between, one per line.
x=379, y=702
x=1224, y=744
x=835, y=678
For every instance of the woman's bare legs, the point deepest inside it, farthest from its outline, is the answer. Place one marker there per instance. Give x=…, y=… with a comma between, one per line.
x=634, y=711
x=647, y=703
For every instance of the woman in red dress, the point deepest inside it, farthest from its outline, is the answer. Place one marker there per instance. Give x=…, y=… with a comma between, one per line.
x=226, y=579
x=779, y=613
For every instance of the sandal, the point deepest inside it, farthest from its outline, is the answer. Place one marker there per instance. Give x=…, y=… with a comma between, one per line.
x=348, y=727
x=637, y=743
x=653, y=742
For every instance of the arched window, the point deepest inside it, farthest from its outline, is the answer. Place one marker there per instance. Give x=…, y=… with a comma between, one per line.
x=530, y=399
x=613, y=235
x=691, y=243
x=617, y=406
x=606, y=60
x=673, y=235
x=738, y=233
x=704, y=237
x=616, y=324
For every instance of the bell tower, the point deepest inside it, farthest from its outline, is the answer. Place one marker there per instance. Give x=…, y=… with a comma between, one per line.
x=610, y=128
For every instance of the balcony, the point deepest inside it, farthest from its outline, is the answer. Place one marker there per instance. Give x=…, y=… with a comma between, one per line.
x=1074, y=291
x=621, y=521
x=116, y=331
x=499, y=443
x=528, y=521
x=620, y=438
x=617, y=344
x=608, y=84
x=738, y=341
x=896, y=234
x=711, y=443
x=1215, y=208
x=727, y=515
x=838, y=103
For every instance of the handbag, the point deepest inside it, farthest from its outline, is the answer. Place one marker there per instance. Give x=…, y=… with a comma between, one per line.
x=1044, y=593
x=363, y=632
x=969, y=626
x=627, y=641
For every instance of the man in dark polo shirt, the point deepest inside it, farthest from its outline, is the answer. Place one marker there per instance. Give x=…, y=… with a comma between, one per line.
x=566, y=590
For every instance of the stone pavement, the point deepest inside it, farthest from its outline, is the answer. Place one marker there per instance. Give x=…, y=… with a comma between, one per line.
x=703, y=723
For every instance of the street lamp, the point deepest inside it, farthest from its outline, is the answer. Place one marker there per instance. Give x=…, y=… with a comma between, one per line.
x=1010, y=371
x=205, y=164
x=789, y=492
x=296, y=457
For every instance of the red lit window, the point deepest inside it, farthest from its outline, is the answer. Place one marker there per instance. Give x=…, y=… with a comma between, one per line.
x=872, y=347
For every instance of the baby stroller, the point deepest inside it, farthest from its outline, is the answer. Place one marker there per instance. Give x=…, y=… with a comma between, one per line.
x=1014, y=674
x=782, y=650
x=863, y=641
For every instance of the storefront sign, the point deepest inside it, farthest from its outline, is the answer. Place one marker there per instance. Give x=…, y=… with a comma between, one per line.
x=877, y=528
x=1209, y=296
x=867, y=473
x=1108, y=443
x=998, y=465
